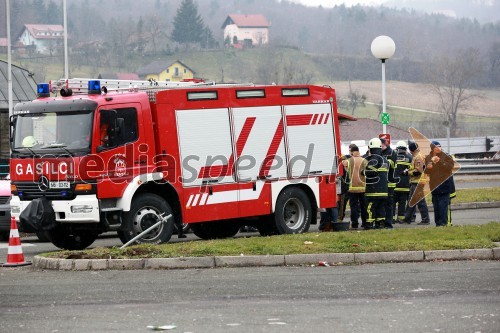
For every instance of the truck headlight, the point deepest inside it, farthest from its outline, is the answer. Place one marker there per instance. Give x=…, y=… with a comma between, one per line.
x=81, y=209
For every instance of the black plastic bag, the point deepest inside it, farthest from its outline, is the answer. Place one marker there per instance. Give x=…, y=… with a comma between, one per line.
x=38, y=215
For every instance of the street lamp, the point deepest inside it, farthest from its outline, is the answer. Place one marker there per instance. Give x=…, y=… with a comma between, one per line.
x=383, y=48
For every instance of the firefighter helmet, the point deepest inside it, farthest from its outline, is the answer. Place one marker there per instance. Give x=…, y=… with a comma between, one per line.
x=375, y=143
x=401, y=144
x=29, y=141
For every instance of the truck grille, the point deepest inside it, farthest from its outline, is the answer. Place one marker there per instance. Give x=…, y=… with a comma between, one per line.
x=4, y=200
x=30, y=191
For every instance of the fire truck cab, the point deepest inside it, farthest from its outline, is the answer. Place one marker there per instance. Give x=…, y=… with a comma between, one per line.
x=101, y=157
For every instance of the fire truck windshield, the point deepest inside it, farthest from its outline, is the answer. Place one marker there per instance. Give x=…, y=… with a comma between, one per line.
x=53, y=132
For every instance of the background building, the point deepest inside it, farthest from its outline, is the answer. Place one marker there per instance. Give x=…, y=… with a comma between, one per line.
x=161, y=71
x=246, y=30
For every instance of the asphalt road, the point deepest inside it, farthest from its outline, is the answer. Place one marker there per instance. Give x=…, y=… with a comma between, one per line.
x=407, y=297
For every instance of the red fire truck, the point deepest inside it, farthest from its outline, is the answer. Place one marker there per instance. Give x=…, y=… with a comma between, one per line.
x=103, y=156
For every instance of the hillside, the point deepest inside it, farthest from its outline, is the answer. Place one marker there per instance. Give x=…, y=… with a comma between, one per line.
x=417, y=96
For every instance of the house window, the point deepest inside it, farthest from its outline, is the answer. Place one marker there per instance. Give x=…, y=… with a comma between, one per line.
x=168, y=70
x=176, y=71
x=185, y=71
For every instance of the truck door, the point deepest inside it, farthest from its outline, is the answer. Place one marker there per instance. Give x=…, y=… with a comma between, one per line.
x=119, y=147
x=210, y=191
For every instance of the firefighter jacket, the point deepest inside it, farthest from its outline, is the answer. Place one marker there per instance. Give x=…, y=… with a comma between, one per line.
x=403, y=165
x=376, y=172
x=344, y=179
x=391, y=157
x=453, y=192
x=417, y=168
x=355, y=165
x=440, y=181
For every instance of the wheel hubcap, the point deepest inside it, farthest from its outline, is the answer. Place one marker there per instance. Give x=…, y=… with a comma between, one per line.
x=145, y=218
x=294, y=214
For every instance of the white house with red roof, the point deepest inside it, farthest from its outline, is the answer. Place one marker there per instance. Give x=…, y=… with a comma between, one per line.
x=44, y=38
x=246, y=30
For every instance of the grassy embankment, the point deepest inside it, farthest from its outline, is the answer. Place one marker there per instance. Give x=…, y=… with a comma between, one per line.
x=418, y=239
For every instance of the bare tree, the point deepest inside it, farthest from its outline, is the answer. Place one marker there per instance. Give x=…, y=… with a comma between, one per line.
x=355, y=99
x=451, y=79
x=494, y=65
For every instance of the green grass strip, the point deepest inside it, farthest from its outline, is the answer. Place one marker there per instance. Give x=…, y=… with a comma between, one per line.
x=430, y=238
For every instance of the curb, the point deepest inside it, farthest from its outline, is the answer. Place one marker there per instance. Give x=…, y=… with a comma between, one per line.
x=260, y=261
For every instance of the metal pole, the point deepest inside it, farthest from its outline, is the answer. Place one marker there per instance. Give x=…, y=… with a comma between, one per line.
x=9, y=58
x=65, y=19
x=164, y=219
x=384, y=126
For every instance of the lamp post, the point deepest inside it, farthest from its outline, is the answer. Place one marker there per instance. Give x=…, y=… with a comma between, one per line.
x=383, y=48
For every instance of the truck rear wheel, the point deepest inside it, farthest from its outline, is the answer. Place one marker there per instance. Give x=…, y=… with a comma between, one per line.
x=68, y=238
x=293, y=211
x=145, y=212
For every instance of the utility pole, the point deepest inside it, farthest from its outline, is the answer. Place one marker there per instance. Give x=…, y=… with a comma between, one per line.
x=65, y=19
x=9, y=58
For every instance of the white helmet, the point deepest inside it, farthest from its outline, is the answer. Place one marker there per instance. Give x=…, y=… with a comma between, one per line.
x=29, y=141
x=401, y=144
x=375, y=143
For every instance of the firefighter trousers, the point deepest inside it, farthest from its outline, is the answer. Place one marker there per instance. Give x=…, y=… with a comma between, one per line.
x=375, y=209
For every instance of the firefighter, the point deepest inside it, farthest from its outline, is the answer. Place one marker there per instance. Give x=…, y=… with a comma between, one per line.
x=417, y=183
x=453, y=194
x=391, y=157
x=439, y=167
x=376, y=173
x=402, y=178
x=344, y=187
x=356, y=192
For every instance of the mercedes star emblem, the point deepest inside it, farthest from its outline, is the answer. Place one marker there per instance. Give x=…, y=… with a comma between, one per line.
x=43, y=183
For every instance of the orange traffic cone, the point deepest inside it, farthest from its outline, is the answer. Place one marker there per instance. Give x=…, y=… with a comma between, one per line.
x=15, y=255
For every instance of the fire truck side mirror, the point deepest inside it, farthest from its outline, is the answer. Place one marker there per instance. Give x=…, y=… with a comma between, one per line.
x=12, y=123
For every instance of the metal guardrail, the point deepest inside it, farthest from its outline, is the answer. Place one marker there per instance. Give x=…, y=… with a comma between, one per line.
x=478, y=166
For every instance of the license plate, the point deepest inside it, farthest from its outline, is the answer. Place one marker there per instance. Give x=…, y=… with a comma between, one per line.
x=58, y=185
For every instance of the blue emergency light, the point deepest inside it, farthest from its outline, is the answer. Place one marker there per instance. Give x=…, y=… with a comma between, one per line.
x=94, y=87
x=43, y=90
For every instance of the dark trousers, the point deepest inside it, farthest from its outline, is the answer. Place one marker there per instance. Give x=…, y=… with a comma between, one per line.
x=389, y=203
x=399, y=208
x=342, y=204
x=329, y=216
x=375, y=208
x=441, y=202
x=358, y=207
x=422, y=205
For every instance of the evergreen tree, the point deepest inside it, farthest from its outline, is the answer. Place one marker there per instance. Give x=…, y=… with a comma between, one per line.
x=188, y=25
x=54, y=14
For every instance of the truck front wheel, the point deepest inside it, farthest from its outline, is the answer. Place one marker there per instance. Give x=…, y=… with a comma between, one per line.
x=145, y=212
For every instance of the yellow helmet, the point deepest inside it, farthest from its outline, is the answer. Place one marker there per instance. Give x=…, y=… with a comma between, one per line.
x=29, y=141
